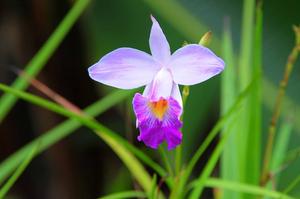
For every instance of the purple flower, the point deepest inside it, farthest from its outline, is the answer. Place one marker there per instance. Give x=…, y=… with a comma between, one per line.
x=159, y=108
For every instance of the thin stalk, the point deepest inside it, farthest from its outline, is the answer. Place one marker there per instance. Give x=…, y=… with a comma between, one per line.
x=277, y=108
x=204, y=41
x=210, y=165
x=178, y=152
x=166, y=160
x=292, y=185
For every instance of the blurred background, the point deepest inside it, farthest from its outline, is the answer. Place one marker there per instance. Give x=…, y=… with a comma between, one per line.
x=81, y=165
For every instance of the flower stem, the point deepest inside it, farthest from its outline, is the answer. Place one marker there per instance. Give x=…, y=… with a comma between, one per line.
x=166, y=160
x=205, y=40
x=178, y=154
x=277, y=108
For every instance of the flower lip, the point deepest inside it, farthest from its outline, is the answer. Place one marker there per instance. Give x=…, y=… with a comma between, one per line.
x=158, y=121
x=159, y=108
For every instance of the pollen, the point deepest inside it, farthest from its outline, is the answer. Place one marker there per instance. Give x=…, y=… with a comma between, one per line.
x=159, y=108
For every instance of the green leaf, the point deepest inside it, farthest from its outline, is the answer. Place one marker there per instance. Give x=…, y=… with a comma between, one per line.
x=10, y=182
x=120, y=146
x=244, y=188
x=179, y=191
x=125, y=194
x=210, y=165
x=281, y=146
x=249, y=136
x=228, y=95
x=292, y=185
x=59, y=132
x=252, y=157
x=154, y=188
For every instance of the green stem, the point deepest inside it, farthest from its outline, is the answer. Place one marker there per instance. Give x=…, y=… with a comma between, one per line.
x=42, y=56
x=205, y=40
x=277, y=108
x=210, y=165
x=178, y=152
x=166, y=160
x=292, y=185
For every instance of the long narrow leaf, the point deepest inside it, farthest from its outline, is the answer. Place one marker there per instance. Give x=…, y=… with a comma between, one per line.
x=178, y=193
x=58, y=133
x=119, y=145
x=228, y=94
x=292, y=185
x=246, y=139
x=245, y=188
x=210, y=165
x=125, y=194
x=281, y=147
x=10, y=182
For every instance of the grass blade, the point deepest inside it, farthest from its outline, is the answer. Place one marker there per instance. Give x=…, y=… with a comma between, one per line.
x=39, y=60
x=117, y=143
x=154, y=188
x=58, y=133
x=253, y=147
x=228, y=95
x=125, y=194
x=210, y=165
x=245, y=188
x=246, y=43
x=281, y=146
x=178, y=193
x=292, y=185
x=245, y=137
x=134, y=166
x=10, y=182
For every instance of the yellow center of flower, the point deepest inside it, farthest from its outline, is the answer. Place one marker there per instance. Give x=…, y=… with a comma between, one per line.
x=159, y=108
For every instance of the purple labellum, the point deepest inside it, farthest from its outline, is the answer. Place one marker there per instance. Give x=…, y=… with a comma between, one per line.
x=158, y=121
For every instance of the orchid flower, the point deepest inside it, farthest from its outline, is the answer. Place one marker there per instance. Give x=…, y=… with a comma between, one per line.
x=159, y=108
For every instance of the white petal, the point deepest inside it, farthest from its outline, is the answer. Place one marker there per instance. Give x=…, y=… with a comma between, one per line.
x=193, y=64
x=147, y=89
x=161, y=86
x=125, y=68
x=176, y=94
x=159, y=45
